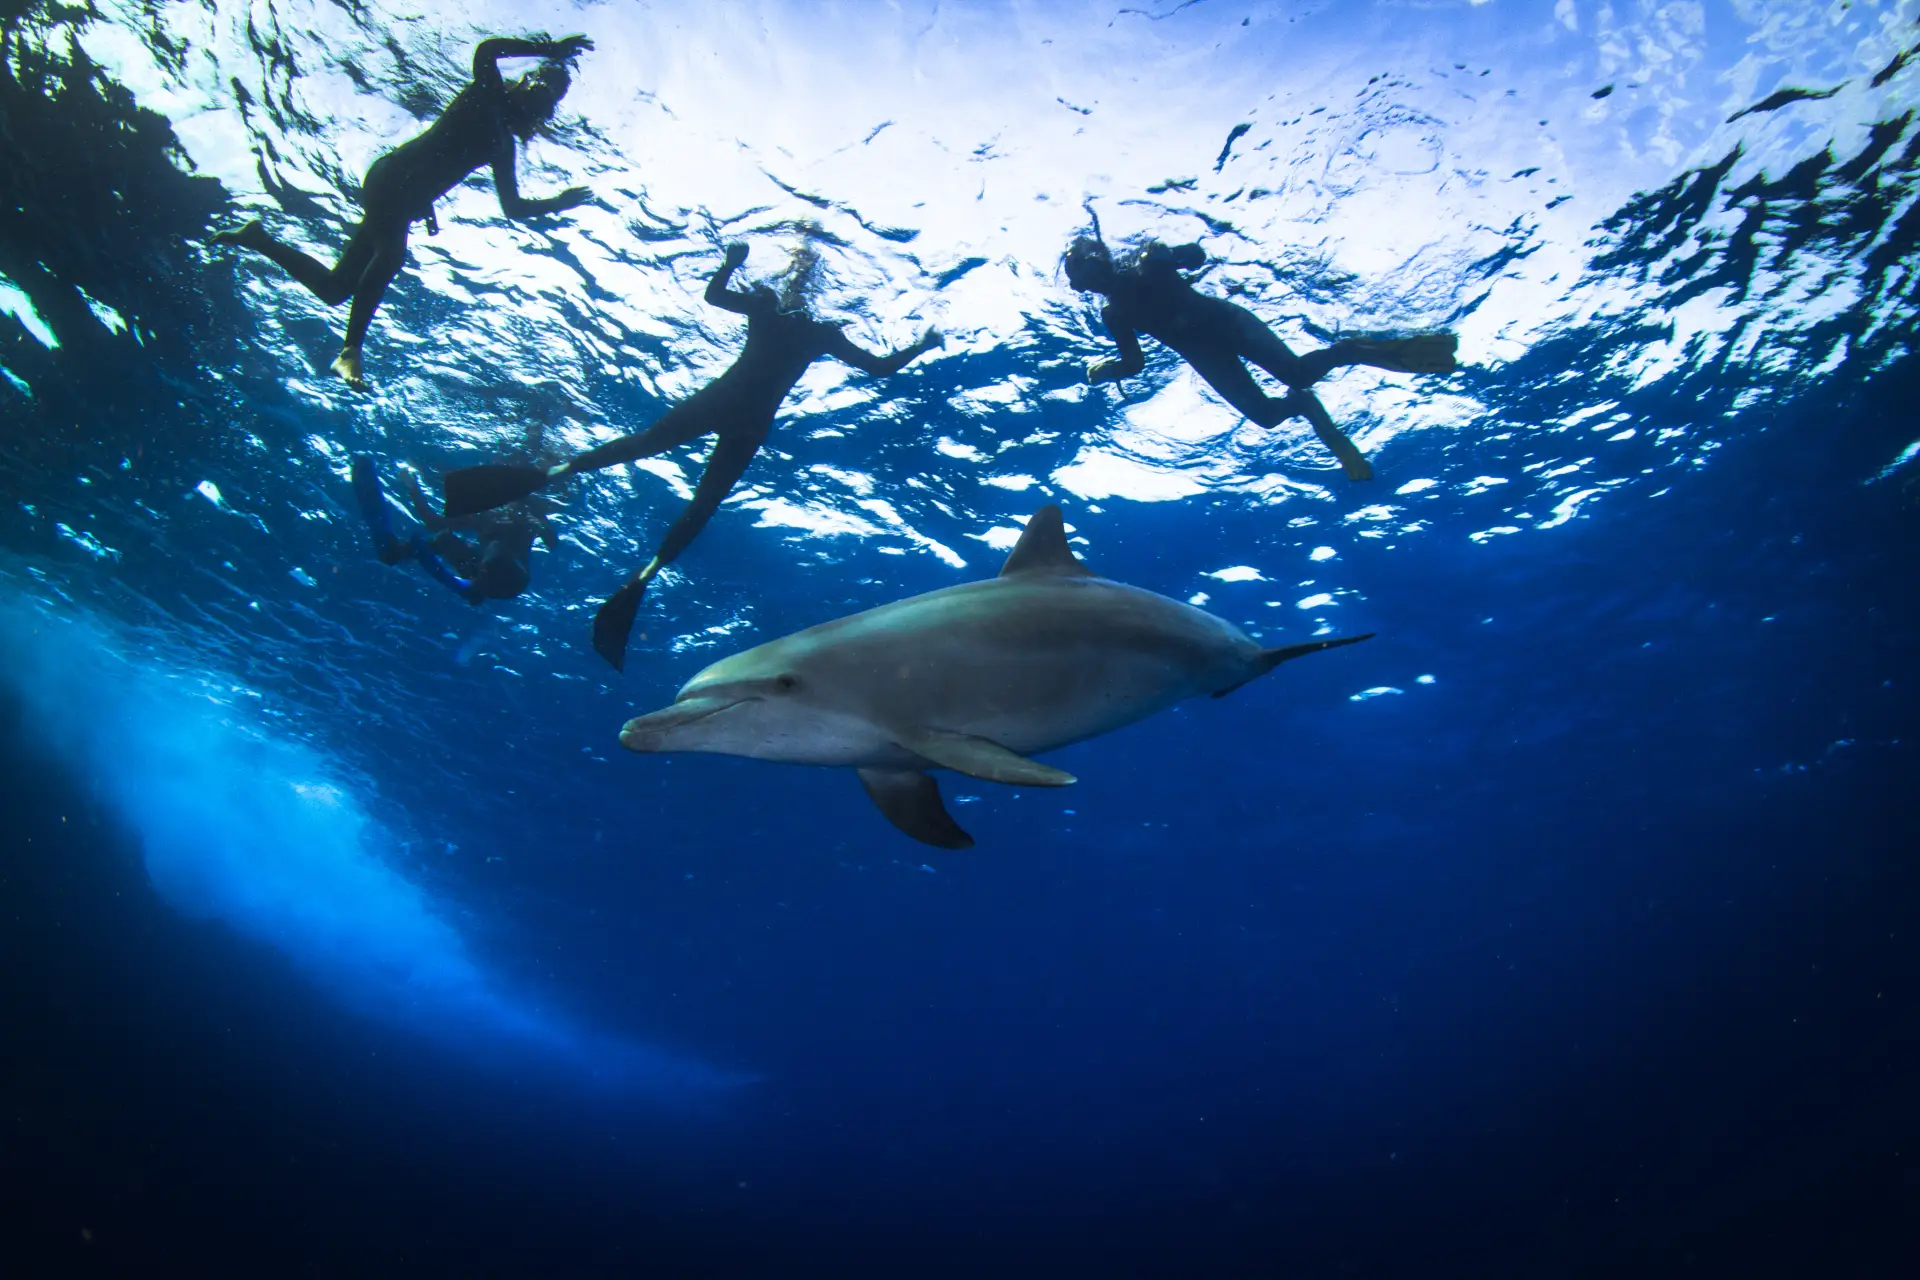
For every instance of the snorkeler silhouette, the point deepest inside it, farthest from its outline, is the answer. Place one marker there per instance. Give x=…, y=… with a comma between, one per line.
x=480, y=126
x=783, y=338
x=496, y=568
x=1147, y=294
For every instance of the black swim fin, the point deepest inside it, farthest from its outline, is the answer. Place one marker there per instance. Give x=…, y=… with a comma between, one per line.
x=613, y=622
x=474, y=489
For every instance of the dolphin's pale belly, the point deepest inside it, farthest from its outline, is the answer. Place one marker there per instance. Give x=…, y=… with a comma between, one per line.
x=1031, y=665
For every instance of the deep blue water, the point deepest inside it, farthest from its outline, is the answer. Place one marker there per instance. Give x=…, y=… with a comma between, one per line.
x=1565, y=928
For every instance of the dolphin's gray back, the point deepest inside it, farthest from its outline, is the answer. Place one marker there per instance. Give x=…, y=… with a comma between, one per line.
x=1032, y=660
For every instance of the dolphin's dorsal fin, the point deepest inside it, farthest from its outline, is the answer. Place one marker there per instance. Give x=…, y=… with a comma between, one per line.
x=1043, y=547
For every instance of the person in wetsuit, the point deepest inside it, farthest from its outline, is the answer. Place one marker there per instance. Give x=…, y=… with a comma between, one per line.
x=783, y=339
x=1147, y=294
x=482, y=125
x=493, y=567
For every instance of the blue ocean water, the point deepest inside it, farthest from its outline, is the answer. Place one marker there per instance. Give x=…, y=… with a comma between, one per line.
x=1564, y=928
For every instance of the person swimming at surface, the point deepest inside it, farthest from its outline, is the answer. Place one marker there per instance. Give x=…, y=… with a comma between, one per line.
x=783, y=339
x=480, y=126
x=1147, y=294
x=496, y=566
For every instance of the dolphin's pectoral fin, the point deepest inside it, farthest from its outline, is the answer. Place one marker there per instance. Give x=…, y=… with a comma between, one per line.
x=910, y=800
x=981, y=758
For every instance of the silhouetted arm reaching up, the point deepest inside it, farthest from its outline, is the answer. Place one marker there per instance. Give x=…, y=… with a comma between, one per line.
x=718, y=295
x=841, y=348
x=487, y=55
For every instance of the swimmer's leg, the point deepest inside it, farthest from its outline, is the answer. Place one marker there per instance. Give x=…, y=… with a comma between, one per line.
x=1307, y=405
x=387, y=254
x=1263, y=347
x=482, y=488
x=682, y=424
x=614, y=620
x=332, y=285
x=1224, y=372
x=426, y=549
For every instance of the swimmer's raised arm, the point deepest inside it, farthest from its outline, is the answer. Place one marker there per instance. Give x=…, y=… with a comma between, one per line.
x=841, y=348
x=486, y=57
x=718, y=295
x=1132, y=359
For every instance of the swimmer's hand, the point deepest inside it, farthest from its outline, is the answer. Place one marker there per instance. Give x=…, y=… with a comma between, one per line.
x=570, y=47
x=571, y=198
x=736, y=254
x=1104, y=371
x=347, y=365
x=247, y=236
x=931, y=340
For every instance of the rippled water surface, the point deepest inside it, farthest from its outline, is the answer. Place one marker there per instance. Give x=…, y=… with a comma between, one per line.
x=1635, y=567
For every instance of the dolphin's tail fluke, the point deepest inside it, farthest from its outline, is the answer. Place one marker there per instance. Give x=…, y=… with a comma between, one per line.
x=471, y=490
x=1271, y=658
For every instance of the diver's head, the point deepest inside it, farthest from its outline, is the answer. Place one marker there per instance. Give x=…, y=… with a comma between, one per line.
x=801, y=279
x=1088, y=264
x=532, y=99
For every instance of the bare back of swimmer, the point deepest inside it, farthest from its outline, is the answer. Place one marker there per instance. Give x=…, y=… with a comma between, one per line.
x=1147, y=294
x=738, y=407
x=481, y=126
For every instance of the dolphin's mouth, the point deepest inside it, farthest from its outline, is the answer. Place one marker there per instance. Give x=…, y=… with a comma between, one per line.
x=652, y=731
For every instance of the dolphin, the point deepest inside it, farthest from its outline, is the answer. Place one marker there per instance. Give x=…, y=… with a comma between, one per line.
x=975, y=678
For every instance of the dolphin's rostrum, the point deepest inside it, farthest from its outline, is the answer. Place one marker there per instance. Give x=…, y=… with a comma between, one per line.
x=975, y=678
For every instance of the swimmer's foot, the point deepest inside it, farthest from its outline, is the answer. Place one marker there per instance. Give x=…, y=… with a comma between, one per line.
x=1423, y=353
x=250, y=235
x=614, y=621
x=347, y=365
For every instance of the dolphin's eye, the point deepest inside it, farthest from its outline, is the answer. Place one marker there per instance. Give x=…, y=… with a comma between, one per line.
x=788, y=683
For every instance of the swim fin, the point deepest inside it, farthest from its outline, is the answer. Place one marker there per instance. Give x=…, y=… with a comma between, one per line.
x=373, y=509
x=471, y=490
x=1422, y=353
x=613, y=621
x=440, y=571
